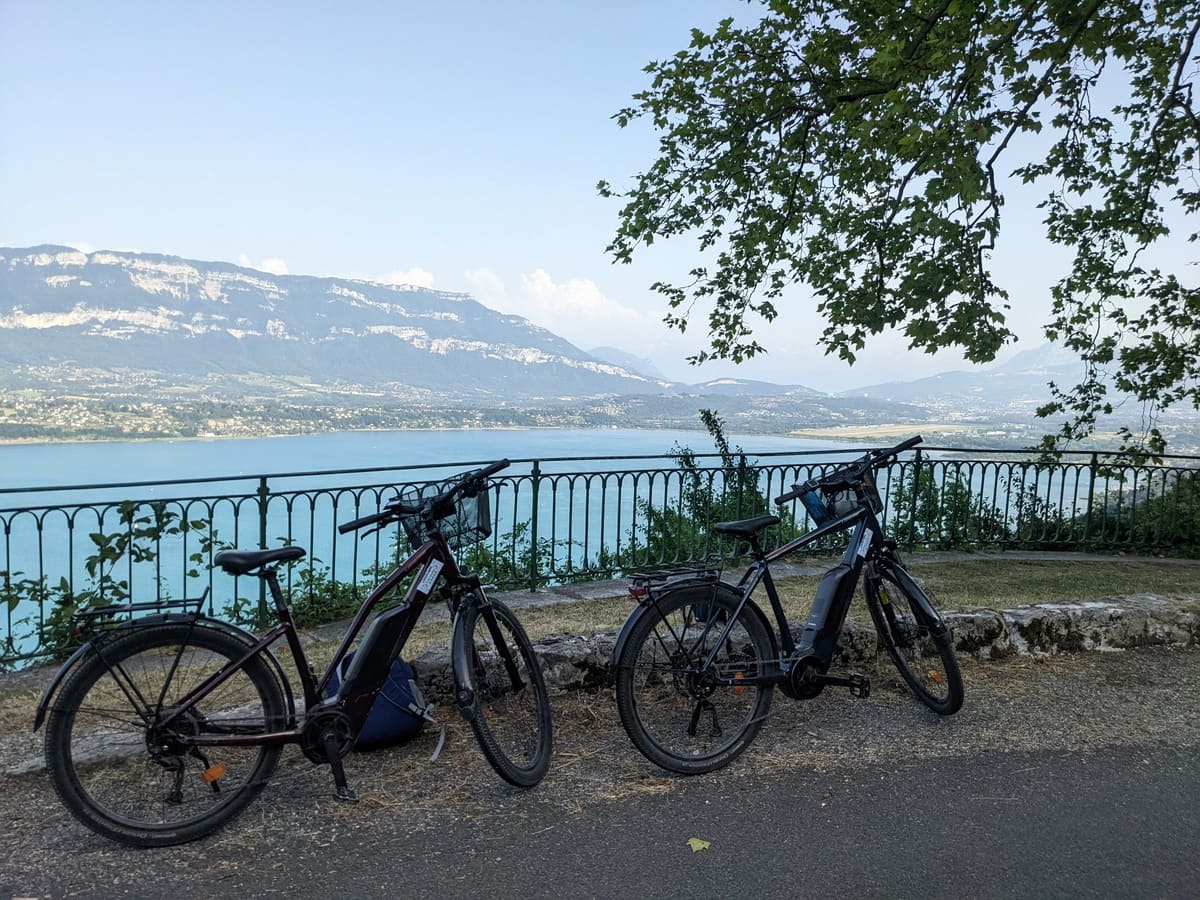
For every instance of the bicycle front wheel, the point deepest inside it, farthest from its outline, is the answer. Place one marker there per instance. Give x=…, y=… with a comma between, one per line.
x=682, y=716
x=509, y=707
x=916, y=639
x=127, y=772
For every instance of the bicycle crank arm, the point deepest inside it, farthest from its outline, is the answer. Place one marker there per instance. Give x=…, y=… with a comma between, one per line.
x=859, y=685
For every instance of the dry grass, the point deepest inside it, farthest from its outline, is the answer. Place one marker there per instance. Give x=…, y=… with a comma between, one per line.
x=17, y=709
x=1018, y=705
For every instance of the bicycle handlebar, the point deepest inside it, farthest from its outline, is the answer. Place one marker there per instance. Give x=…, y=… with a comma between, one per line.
x=395, y=509
x=488, y=471
x=873, y=459
x=355, y=524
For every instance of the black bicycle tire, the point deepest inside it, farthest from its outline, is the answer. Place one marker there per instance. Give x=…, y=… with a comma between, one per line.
x=665, y=604
x=60, y=762
x=484, y=713
x=943, y=642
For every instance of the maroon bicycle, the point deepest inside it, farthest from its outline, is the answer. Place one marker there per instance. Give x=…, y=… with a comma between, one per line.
x=162, y=728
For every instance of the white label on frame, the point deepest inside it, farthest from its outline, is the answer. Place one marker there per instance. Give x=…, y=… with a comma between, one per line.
x=425, y=585
x=865, y=544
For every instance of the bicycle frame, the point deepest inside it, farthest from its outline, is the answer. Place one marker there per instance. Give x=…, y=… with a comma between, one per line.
x=382, y=644
x=829, y=609
x=832, y=601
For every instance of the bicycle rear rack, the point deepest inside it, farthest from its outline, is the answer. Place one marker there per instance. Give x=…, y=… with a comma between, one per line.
x=92, y=617
x=641, y=583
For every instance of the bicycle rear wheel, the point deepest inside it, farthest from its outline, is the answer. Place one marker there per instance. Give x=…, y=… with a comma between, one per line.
x=681, y=716
x=509, y=709
x=916, y=638
x=125, y=774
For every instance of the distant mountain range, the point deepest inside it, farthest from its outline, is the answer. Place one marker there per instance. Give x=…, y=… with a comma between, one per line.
x=165, y=314
x=625, y=360
x=184, y=320
x=1020, y=380
x=122, y=328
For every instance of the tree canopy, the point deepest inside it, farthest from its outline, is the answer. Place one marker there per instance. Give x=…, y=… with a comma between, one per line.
x=865, y=149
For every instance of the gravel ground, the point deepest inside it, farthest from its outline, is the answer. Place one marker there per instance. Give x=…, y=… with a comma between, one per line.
x=1080, y=706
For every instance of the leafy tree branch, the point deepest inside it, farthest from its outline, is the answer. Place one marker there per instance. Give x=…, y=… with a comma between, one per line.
x=865, y=150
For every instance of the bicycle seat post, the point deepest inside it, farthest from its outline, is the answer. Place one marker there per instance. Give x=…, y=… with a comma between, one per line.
x=269, y=577
x=756, y=551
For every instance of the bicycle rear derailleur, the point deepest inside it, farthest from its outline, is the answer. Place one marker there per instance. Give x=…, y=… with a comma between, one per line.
x=807, y=678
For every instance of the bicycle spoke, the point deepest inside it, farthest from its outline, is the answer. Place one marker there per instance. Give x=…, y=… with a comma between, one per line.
x=926, y=662
x=146, y=783
x=511, y=712
x=683, y=715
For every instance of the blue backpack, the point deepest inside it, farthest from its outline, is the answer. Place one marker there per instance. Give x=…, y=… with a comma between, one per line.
x=399, y=710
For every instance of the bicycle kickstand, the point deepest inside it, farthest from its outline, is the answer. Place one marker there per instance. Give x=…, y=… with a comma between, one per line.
x=341, y=791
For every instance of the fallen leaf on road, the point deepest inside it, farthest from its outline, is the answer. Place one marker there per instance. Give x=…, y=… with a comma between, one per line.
x=697, y=845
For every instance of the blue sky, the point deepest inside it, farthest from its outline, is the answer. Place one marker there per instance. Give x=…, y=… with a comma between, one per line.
x=456, y=145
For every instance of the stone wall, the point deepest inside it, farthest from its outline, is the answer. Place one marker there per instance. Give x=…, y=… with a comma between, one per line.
x=573, y=662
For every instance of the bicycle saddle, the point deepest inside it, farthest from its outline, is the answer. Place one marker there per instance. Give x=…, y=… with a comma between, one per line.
x=746, y=528
x=239, y=562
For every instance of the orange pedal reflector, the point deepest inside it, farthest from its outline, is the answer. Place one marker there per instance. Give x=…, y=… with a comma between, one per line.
x=214, y=773
x=738, y=689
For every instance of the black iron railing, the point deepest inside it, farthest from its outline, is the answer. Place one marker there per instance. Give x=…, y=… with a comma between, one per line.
x=556, y=520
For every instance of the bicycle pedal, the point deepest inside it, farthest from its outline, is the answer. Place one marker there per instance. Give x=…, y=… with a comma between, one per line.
x=860, y=686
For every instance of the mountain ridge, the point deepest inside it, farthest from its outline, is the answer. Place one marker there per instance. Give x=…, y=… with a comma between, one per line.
x=168, y=313
x=118, y=343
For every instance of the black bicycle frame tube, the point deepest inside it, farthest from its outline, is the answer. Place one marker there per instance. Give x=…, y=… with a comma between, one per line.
x=864, y=543
x=833, y=597
x=434, y=552
x=839, y=524
x=219, y=677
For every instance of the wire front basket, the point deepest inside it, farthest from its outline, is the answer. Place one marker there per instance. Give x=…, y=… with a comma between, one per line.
x=469, y=523
x=828, y=503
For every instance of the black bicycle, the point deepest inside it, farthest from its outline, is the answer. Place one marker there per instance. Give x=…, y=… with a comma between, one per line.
x=162, y=728
x=697, y=661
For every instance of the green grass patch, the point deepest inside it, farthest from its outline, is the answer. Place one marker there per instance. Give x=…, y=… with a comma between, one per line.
x=1002, y=584
x=958, y=585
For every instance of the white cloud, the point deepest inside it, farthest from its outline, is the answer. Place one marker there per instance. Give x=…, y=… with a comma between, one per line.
x=576, y=309
x=414, y=276
x=272, y=264
x=578, y=302
x=489, y=290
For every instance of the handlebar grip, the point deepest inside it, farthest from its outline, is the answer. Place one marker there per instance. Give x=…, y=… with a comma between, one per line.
x=789, y=496
x=907, y=445
x=495, y=467
x=799, y=490
x=356, y=524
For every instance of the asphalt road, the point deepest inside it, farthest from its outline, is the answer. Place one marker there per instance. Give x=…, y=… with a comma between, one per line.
x=1074, y=777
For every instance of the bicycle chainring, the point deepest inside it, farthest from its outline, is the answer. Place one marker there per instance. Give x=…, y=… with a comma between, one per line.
x=318, y=727
x=800, y=685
